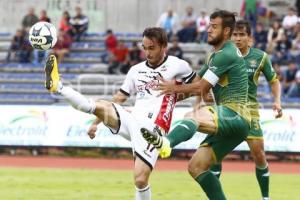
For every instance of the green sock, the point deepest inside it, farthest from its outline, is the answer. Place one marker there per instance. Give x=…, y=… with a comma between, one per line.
x=182, y=132
x=211, y=186
x=216, y=169
x=262, y=176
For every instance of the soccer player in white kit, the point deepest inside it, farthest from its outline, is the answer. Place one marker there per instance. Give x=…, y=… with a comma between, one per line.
x=151, y=109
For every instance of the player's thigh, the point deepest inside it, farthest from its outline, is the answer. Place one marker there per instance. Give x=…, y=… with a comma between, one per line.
x=205, y=118
x=232, y=129
x=202, y=159
x=106, y=111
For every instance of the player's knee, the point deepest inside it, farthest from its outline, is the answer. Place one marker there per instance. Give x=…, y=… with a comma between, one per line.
x=141, y=181
x=102, y=105
x=195, y=169
x=259, y=157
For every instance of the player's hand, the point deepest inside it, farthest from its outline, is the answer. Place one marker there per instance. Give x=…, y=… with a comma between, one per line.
x=92, y=131
x=165, y=87
x=277, y=109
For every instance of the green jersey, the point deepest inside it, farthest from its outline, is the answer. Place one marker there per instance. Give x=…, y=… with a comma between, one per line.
x=227, y=68
x=257, y=61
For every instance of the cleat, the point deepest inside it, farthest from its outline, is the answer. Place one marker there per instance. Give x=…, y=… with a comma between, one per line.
x=161, y=143
x=51, y=74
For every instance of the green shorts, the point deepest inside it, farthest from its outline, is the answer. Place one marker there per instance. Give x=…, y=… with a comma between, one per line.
x=255, y=131
x=232, y=129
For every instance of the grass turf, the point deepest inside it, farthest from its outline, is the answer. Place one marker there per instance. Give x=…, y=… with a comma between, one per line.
x=66, y=184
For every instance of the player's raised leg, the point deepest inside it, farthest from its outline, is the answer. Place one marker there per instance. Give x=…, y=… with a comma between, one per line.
x=104, y=110
x=202, y=120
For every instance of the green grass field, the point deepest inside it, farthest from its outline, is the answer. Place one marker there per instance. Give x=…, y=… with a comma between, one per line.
x=64, y=184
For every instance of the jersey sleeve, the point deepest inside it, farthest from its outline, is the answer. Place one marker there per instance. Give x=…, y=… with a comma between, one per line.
x=202, y=70
x=219, y=65
x=268, y=70
x=127, y=87
x=186, y=74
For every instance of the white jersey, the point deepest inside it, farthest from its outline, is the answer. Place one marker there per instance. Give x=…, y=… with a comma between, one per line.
x=141, y=79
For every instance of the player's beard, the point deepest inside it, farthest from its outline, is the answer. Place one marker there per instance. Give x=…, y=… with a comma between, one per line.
x=217, y=40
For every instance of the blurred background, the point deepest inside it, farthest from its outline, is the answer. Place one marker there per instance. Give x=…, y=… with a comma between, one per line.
x=98, y=41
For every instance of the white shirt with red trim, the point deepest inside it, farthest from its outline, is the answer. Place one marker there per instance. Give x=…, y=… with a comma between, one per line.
x=141, y=79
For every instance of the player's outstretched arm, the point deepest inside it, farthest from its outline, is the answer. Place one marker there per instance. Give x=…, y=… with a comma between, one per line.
x=199, y=87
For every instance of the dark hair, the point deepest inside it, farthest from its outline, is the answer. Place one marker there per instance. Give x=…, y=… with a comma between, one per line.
x=157, y=33
x=240, y=24
x=228, y=18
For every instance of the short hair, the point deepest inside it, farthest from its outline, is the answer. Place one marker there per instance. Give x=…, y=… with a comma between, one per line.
x=157, y=33
x=240, y=24
x=228, y=18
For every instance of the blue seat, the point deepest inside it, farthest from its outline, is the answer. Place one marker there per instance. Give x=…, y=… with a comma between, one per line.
x=5, y=34
x=85, y=54
x=292, y=100
x=88, y=45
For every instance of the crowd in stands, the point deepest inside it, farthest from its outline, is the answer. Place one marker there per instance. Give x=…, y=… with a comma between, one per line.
x=279, y=36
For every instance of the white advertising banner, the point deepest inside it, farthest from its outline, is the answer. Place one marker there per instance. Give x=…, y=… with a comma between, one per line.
x=65, y=126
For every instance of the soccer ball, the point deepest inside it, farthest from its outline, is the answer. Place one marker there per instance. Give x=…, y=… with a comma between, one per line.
x=42, y=36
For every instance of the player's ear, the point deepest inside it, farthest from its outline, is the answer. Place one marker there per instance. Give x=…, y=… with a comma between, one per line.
x=227, y=31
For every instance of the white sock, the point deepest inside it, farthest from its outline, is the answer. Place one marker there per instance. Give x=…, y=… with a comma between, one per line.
x=77, y=100
x=143, y=194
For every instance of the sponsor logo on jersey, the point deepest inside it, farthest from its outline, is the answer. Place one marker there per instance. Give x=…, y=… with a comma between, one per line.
x=147, y=86
x=253, y=63
x=163, y=68
x=170, y=106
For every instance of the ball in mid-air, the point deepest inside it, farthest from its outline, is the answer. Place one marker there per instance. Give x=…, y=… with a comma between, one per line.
x=42, y=36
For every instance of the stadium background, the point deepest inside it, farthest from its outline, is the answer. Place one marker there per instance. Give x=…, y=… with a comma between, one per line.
x=31, y=121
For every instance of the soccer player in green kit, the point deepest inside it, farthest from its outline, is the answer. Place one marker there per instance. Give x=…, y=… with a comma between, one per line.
x=257, y=61
x=227, y=123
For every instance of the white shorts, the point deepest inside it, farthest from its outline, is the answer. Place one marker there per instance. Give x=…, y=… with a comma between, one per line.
x=130, y=130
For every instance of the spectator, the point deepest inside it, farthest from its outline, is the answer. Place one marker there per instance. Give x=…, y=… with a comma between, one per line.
x=295, y=51
x=290, y=20
x=275, y=33
x=202, y=23
x=282, y=52
x=119, y=59
x=289, y=78
x=111, y=43
x=44, y=17
x=64, y=23
x=188, y=22
x=19, y=48
x=175, y=49
x=249, y=11
x=168, y=21
x=29, y=19
x=79, y=24
x=295, y=87
x=62, y=46
x=135, y=55
x=260, y=37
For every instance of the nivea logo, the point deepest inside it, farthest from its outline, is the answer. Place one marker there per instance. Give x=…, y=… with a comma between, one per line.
x=38, y=40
